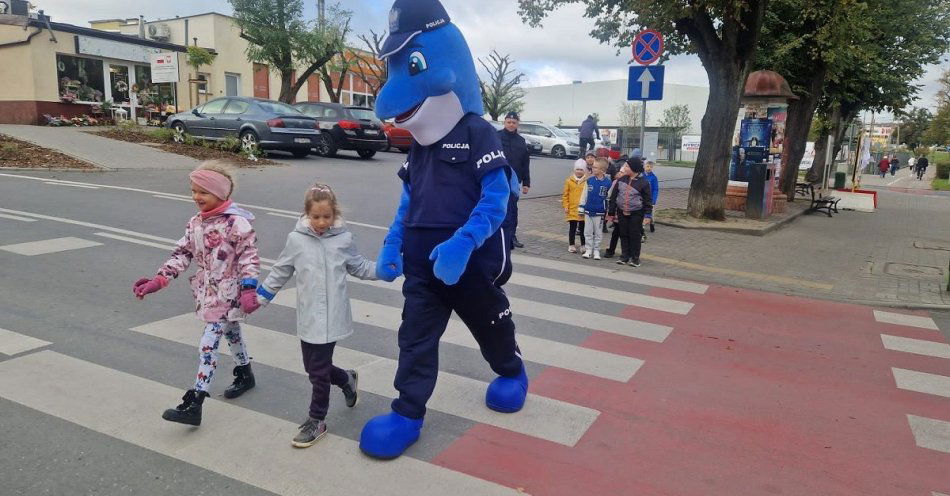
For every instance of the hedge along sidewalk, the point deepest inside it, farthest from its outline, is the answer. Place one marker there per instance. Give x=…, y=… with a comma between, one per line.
x=97, y=150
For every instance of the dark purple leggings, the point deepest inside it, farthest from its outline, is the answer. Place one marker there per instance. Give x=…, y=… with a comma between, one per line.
x=318, y=362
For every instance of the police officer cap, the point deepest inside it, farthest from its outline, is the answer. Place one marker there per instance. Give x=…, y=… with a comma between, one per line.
x=410, y=18
x=513, y=115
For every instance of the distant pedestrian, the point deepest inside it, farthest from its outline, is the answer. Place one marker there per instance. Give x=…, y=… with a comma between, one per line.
x=921, y=167
x=589, y=158
x=883, y=166
x=654, y=192
x=630, y=203
x=321, y=251
x=593, y=206
x=220, y=239
x=621, y=171
x=895, y=164
x=574, y=186
x=588, y=132
x=516, y=151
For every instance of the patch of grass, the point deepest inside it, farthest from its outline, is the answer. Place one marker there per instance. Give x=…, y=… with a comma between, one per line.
x=941, y=184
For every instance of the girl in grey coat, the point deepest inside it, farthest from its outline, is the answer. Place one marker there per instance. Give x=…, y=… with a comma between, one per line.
x=321, y=252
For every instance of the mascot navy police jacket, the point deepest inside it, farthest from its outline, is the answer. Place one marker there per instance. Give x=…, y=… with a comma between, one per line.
x=447, y=237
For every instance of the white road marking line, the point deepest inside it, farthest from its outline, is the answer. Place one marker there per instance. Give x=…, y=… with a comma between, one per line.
x=136, y=241
x=57, y=183
x=542, y=417
x=546, y=352
x=569, y=316
x=12, y=343
x=46, y=246
x=349, y=222
x=175, y=198
x=905, y=320
x=599, y=293
x=128, y=410
x=16, y=217
x=601, y=272
x=922, y=382
x=930, y=433
x=89, y=224
x=916, y=346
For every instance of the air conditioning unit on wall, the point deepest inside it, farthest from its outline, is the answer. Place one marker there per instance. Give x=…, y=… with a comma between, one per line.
x=15, y=7
x=159, y=32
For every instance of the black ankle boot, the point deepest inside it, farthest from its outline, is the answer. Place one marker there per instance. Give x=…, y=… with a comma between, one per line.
x=243, y=380
x=189, y=411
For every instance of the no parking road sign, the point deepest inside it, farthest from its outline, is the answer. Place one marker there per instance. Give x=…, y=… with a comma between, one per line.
x=647, y=46
x=645, y=83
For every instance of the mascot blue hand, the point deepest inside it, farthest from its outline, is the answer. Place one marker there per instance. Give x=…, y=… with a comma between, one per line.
x=389, y=263
x=451, y=257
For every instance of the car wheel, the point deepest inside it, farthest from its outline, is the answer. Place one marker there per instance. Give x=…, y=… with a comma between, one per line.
x=300, y=153
x=326, y=147
x=249, y=142
x=558, y=151
x=180, y=131
x=366, y=153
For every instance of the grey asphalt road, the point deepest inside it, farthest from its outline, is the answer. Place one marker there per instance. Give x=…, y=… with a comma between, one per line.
x=77, y=426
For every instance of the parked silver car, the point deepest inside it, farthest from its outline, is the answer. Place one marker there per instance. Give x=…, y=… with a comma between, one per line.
x=265, y=124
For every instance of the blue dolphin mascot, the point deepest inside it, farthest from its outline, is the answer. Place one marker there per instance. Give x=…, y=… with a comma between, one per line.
x=447, y=236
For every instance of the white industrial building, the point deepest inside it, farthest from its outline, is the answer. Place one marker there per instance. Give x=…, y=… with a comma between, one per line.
x=567, y=105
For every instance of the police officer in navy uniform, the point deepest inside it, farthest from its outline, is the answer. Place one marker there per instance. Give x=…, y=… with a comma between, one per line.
x=516, y=151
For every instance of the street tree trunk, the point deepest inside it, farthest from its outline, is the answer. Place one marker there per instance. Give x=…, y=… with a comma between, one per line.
x=801, y=112
x=707, y=193
x=287, y=92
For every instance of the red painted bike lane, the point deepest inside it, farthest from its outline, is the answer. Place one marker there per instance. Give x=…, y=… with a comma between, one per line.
x=753, y=393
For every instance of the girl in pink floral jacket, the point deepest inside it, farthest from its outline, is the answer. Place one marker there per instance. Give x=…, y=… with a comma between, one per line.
x=221, y=241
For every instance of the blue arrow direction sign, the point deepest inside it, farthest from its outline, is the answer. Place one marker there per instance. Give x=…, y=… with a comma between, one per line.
x=645, y=83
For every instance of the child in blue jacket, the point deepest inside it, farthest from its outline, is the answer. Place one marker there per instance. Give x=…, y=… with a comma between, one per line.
x=654, y=192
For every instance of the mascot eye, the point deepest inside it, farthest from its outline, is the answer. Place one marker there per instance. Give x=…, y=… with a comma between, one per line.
x=417, y=63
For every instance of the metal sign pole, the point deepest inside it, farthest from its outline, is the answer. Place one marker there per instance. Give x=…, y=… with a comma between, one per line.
x=643, y=124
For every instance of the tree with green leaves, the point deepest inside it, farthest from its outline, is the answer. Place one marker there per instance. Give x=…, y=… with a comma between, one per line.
x=914, y=125
x=939, y=131
x=629, y=114
x=723, y=33
x=279, y=36
x=502, y=93
x=676, y=119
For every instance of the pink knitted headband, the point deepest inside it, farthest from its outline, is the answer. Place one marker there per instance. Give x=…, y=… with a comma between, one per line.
x=212, y=182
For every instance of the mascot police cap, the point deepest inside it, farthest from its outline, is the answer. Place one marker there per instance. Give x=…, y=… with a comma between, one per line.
x=409, y=18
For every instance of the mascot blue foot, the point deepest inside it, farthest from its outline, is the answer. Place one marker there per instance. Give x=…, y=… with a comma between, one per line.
x=507, y=394
x=388, y=436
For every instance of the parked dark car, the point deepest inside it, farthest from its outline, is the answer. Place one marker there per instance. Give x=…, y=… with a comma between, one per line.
x=266, y=124
x=346, y=128
x=399, y=138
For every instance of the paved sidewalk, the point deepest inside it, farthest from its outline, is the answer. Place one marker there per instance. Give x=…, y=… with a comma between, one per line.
x=897, y=256
x=904, y=179
x=106, y=153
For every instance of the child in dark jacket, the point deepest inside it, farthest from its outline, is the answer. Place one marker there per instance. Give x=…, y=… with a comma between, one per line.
x=654, y=192
x=630, y=202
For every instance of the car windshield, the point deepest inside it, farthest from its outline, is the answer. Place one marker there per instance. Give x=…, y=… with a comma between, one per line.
x=559, y=132
x=363, y=114
x=278, y=108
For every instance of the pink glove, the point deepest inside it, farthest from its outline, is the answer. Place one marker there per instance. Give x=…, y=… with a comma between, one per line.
x=248, y=300
x=146, y=286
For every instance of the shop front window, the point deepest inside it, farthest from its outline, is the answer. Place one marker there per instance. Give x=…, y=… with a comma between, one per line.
x=149, y=94
x=119, y=80
x=80, y=79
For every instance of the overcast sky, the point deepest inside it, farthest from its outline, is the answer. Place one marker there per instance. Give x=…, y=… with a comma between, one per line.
x=560, y=52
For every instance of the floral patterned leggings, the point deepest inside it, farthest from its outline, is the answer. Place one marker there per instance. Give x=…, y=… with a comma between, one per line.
x=208, y=350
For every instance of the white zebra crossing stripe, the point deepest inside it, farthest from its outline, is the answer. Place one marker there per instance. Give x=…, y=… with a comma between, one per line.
x=538, y=350
x=916, y=346
x=617, y=275
x=12, y=343
x=905, y=320
x=599, y=293
x=49, y=246
x=569, y=316
x=922, y=382
x=542, y=417
x=930, y=433
x=16, y=217
x=128, y=408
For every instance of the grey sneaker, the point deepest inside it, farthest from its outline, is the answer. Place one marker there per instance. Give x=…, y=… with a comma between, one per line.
x=350, y=389
x=634, y=262
x=310, y=432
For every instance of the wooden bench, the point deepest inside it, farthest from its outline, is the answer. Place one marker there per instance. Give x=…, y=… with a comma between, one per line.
x=818, y=203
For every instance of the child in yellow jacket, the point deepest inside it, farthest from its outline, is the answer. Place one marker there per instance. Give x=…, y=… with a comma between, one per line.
x=574, y=185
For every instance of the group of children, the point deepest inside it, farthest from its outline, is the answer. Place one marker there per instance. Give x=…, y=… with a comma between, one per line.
x=220, y=240
x=622, y=194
